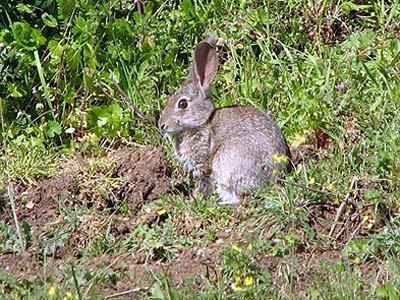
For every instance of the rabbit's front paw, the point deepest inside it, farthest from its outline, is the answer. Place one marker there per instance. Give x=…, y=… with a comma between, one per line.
x=203, y=186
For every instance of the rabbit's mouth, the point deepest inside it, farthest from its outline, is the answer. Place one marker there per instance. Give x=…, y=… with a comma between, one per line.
x=167, y=135
x=177, y=132
x=171, y=128
x=169, y=132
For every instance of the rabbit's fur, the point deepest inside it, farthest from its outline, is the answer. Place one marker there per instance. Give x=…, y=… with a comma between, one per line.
x=231, y=149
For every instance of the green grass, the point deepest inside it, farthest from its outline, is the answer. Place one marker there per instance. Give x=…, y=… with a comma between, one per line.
x=330, y=67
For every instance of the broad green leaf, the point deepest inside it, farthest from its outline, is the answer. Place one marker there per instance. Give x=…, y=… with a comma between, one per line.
x=24, y=8
x=56, y=49
x=53, y=129
x=27, y=37
x=49, y=20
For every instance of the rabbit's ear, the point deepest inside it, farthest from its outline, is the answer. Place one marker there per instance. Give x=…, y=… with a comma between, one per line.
x=205, y=63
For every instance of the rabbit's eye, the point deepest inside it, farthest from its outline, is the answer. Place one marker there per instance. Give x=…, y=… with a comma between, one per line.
x=183, y=103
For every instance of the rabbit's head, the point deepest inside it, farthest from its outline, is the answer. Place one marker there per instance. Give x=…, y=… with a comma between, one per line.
x=190, y=108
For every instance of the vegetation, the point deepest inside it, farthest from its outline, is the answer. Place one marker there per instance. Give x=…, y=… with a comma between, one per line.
x=82, y=78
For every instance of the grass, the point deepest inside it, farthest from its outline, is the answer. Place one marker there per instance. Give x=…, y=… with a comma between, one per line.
x=329, y=72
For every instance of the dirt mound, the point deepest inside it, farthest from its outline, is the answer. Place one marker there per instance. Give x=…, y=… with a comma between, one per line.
x=38, y=205
x=99, y=185
x=146, y=172
x=135, y=176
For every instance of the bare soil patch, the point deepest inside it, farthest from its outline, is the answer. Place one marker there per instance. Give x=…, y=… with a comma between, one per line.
x=142, y=175
x=146, y=172
x=133, y=176
x=38, y=205
x=127, y=176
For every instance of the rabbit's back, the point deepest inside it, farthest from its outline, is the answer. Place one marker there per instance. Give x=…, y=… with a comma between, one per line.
x=248, y=149
x=248, y=126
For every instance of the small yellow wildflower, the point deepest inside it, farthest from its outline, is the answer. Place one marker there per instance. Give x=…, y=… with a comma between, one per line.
x=238, y=279
x=53, y=291
x=68, y=295
x=370, y=220
x=250, y=246
x=237, y=288
x=298, y=140
x=248, y=281
x=311, y=181
x=279, y=158
x=161, y=211
x=331, y=187
x=236, y=248
x=275, y=172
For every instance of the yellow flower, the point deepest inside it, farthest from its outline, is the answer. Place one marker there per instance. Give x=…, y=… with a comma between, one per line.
x=279, y=158
x=275, y=172
x=68, y=295
x=250, y=246
x=161, y=211
x=248, y=281
x=236, y=248
x=311, y=181
x=330, y=187
x=298, y=140
x=53, y=291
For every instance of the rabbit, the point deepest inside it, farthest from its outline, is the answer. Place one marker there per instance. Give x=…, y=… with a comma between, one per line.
x=230, y=150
